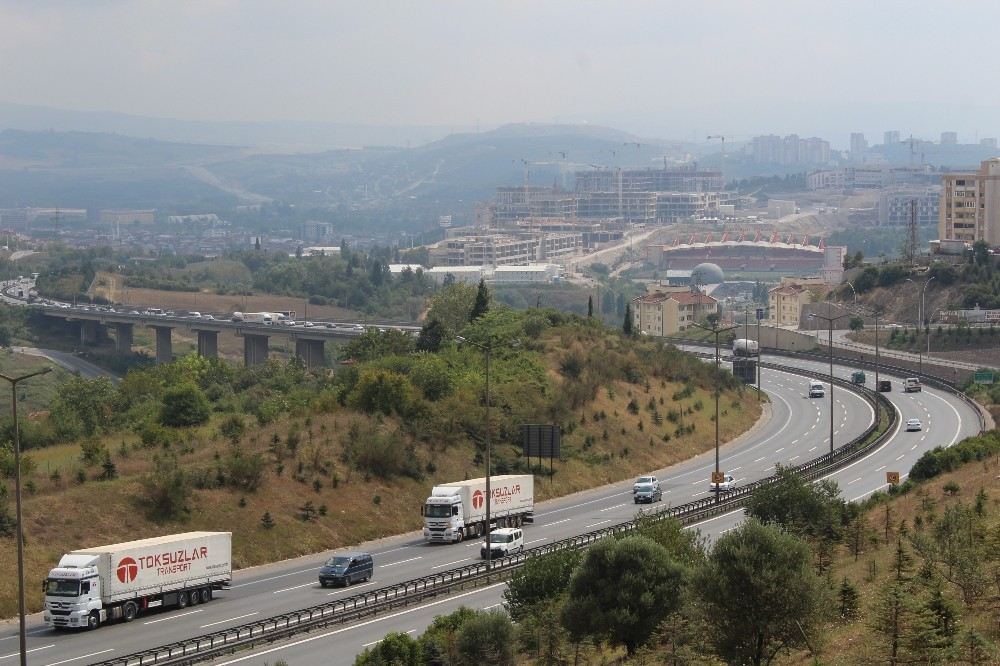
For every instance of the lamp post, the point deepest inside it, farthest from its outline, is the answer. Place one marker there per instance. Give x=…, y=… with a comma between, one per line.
x=22, y=633
x=853, y=291
x=923, y=315
x=877, y=312
x=829, y=320
x=718, y=361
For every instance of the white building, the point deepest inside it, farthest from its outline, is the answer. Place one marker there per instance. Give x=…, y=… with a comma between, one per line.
x=530, y=273
x=467, y=274
x=396, y=269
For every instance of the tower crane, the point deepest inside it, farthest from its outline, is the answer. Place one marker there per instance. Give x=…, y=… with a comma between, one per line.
x=722, y=160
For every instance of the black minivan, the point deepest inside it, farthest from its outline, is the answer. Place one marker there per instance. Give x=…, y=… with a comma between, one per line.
x=346, y=568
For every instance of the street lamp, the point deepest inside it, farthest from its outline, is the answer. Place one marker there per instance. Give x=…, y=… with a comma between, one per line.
x=829, y=320
x=854, y=291
x=718, y=361
x=22, y=633
x=923, y=315
x=488, y=350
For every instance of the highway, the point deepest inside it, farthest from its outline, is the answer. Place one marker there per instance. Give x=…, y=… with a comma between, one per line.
x=796, y=431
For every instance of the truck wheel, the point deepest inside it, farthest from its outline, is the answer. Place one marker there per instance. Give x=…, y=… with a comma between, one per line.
x=461, y=535
x=206, y=595
x=93, y=620
x=182, y=599
x=194, y=597
x=130, y=611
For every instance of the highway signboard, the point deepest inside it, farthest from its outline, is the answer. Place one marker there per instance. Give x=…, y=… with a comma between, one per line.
x=983, y=377
x=892, y=478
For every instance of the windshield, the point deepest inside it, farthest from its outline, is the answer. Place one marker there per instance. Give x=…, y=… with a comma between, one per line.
x=501, y=538
x=338, y=561
x=643, y=480
x=437, y=510
x=644, y=488
x=56, y=587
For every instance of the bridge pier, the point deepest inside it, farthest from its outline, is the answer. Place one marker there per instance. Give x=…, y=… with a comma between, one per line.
x=89, y=331
x=123, y=338
x=254, y=349
x=164, y=345
x=310, y=352
x=208, y=344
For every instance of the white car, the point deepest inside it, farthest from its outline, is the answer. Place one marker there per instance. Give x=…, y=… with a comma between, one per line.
x=644, y=481
x=208, y=317
x=503, y=542
x=725, y=486
x=308, y=324
x=914, y=425
x=194, y=315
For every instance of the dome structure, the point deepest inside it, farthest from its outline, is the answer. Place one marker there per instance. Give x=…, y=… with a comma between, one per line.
x=707, y=274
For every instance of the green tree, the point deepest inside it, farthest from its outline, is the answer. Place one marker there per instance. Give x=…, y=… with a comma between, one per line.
x=432, y=334
x=452, y=307
x=981, y=253
x=486, y=639
x=590, y=306
x=184, y=405
x=482, y=302
x=168, y=488
x=539, y=581
x=232, y=428
x=627, y=322
x=382, y=391
x=621, y=591
x=374, y=344
x=759, y=593
x=395, y=649
x=83, y=406
x=857, y=323
x=803, y=508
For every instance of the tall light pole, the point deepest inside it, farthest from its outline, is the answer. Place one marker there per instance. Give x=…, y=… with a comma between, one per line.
x=829, y=320
x=22, y=631
x=718, y=361
x=877, y=312
x=923, y=315
x=853, y=291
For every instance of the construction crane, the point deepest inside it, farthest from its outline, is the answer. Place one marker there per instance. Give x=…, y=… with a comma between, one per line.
x=722, y=160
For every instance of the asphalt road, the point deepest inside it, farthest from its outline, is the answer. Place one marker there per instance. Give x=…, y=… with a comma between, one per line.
x=796, y=431
x=945, y=418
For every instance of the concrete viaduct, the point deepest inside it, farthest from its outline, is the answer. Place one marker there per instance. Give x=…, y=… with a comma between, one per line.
x=95, y=325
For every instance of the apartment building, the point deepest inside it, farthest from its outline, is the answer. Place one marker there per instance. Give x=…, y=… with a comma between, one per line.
x=505, y=249
x=895, y=207
x=127, y=216
x=632, y=207
x=515, y=203
x=773, y=149
x=678, y=206
x=668, y=310
x=970, y=205
x=669, y=179
x=786, y=301
x=316, y=232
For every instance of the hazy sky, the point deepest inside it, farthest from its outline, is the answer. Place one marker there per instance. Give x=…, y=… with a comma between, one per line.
x=673, y=69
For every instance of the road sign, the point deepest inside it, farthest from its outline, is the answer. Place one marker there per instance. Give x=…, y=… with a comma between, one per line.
x=892, y=478
x=983, y=377
x=541, y=441
x=760, y=313
x=718, y=477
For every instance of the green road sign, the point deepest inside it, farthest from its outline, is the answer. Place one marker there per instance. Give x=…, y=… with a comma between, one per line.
x=983, y=377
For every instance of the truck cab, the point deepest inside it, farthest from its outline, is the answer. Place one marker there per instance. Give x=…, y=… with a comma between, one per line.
x=73, y=594
x=816, y=389
x=443, y=518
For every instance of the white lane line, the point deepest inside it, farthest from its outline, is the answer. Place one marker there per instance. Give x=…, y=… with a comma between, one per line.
x=616, y=506
x=958, y=419
x=284, y=575
x=386, y=552
x=736, y=468
x=82, y=656
x=174, y=616
x=350, y=587
x=297, y=587
x=358, y=626
x=813, y=449
x=528, y=543
x=29, y=633
x=898, y=458
x=855, y=481
x=795, y=441
x=759, y=459
x=18, y=654
x=880, y=468
x=412, y=559
x=238, y=617
x=564, y=520
x=794, y=458
x=779, y=450
x=492, y=606
x=600, y=522
x=381, y=639
x=913, y=447
x=448, y=564
x=576, y=506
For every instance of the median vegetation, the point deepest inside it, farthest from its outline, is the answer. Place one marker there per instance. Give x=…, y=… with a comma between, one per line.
x=294, y=462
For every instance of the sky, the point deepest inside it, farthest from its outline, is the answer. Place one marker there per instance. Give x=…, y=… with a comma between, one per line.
x=678, y=70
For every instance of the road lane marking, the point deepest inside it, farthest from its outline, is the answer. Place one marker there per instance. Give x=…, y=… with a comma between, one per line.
x=382, y=639
x=901, y=457
x=795, y=458
x=600, y=522
x=350, y=587
x=576, y=506
x=441, y=566
x=855, y=481
x=813, y=449
x=297, y=587
x=175, y=616
x=616, y=506
x=358, y=626
x=759, y=459
x=284, y=575
x=212, y=624
x=82, y=656
x=528, y=543
x=880, y=468
x=564, y=520
x=779, y=450
x=412, y=559
x=18, y=654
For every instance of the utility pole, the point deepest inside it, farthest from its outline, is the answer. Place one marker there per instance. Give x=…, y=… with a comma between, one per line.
x=829, y=320
x=718, y=362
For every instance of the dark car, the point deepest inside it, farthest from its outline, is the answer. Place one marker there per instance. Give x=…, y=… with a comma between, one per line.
x=884, y=386
x=346, y=568
x=648, y=493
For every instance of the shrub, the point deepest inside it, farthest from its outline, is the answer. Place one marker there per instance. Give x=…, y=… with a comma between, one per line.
x=232, y=428
x=184, y=405
x=245, y=471
x=168, y=488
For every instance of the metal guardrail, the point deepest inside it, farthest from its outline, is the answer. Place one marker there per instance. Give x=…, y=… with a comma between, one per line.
x=209, y=646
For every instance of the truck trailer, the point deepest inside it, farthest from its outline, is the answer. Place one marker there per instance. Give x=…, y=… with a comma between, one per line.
x=457, y=510
x=255, y=317
x=122, y=581
x=744, y=347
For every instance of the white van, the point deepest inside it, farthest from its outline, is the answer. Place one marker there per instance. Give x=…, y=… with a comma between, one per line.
x=911, y=385
x=816, y=389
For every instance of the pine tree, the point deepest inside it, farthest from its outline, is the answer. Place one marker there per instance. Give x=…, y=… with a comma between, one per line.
x=627, y=324
x=590, y=307
x=266, y=521
x=848, y=597
x=482, y=303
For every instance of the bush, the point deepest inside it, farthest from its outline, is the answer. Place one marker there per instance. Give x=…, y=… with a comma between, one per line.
x=940, y=460
x=245, y=471
x=232, y=428
x=487, y=639
x=395, y=649
x=168, y=488
x=183, y=406
x=380, y=454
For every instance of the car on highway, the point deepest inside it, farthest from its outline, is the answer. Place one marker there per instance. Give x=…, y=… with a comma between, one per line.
x=330, y=325
x=644, y=481
x=914, y=425
x=346, y=568
x=648, y=493
x=194, y=315
x=208, y=317
x=728, y=484
x=308, y=324
x=816, y=389
x=504, y=541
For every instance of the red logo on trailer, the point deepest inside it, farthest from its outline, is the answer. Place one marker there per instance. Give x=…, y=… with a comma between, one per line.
x=127, y=570
x=477, y=499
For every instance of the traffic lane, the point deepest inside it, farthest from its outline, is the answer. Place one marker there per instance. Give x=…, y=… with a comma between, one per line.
x=298, y=588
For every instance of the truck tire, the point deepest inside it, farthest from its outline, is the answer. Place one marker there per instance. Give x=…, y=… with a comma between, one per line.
x=195, y=597
x=182, y=599
x=206, y=595
x=93, y=620
x=461, y=536
x=130, y=611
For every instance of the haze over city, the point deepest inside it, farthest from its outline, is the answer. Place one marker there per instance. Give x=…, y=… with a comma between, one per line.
x=671, y=70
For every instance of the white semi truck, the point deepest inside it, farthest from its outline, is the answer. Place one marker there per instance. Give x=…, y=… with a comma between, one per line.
x=457, y=510
x=255, y=317
x=745, y=347
x=121, y=581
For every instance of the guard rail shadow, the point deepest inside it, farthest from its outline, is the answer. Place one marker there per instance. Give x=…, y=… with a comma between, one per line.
x=285, y=625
